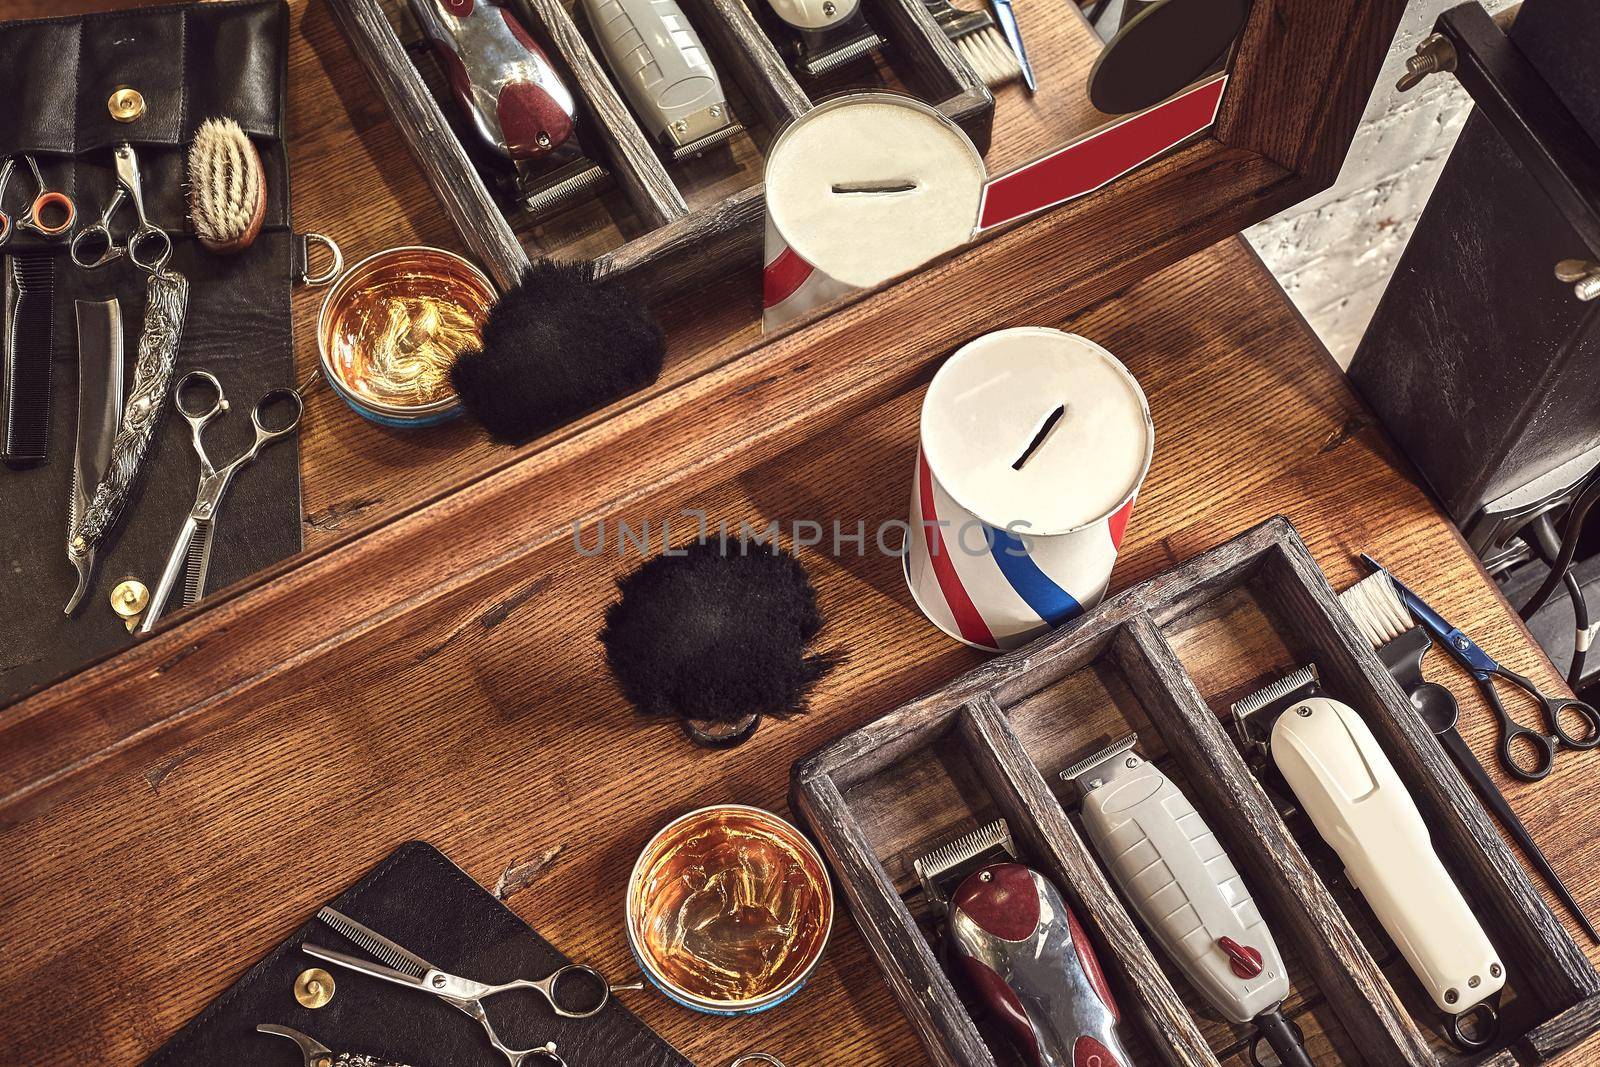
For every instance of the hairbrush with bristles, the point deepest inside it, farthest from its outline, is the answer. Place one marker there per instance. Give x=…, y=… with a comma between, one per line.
x=227, y=187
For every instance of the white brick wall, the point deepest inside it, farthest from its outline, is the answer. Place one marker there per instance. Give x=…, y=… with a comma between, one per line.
x=1333, y=254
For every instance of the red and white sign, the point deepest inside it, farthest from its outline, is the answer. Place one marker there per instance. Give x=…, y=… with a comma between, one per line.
x=1101, y=157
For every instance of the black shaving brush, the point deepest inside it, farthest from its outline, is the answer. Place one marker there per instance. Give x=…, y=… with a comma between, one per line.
x=558, y=345
x=716, y=636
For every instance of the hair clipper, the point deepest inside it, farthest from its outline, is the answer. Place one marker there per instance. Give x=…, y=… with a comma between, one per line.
x=513, y=98
x=665, y=72
x=828, y=33
x=1349, y=789
x=1022, y=952
x=1173, y=870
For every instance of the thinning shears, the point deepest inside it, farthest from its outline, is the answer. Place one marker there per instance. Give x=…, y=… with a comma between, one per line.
x=1514, y=737
x=190, y=557
x=406, y=968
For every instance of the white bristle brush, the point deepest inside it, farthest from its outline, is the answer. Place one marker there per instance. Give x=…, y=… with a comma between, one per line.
x=227, y=187
x=977, y=36
x=1375, y=604
x=991, y=57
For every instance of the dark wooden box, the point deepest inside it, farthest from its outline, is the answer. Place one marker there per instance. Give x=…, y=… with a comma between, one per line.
x=668, y=226
x=1166, y=658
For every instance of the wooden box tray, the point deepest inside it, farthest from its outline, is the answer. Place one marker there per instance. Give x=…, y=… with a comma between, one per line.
x=1166, y=658
x=668, y=225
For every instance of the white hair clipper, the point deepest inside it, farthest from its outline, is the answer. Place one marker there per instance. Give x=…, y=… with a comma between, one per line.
x=1173, y=870
x=828, y=33
x=514, y=99
x=1021, y=951
x=1358, y=804
x=664, y=71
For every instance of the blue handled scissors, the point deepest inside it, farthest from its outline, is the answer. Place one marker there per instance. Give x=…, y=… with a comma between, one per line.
x=1513, y=735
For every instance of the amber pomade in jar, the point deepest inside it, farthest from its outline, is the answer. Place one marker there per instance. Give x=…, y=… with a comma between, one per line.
x=729, y=909
x=391, y=328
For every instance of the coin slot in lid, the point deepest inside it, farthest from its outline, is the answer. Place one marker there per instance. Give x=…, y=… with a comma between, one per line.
x=1040, y=435
x=1075, y=469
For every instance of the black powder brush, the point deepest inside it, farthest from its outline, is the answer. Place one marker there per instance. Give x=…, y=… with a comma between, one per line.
x=559, y=344
x=717, y=637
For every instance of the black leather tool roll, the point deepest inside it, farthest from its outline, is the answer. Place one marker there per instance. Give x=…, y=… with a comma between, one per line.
x=190, y=63
x=423, y=902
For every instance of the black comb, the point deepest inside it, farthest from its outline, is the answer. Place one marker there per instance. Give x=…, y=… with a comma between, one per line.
x=27, y=342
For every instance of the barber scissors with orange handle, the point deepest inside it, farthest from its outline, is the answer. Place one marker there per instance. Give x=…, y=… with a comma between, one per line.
x=51, y=213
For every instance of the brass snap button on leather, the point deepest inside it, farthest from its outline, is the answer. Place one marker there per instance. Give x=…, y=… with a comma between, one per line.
x=313, y=988
x=126, y=105
x=129, y=599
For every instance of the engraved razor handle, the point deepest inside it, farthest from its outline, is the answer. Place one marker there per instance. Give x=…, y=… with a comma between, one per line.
x=319, y=1055
x=166, y=305
x=1023, y=953
x=167, y=299
x=505, y=84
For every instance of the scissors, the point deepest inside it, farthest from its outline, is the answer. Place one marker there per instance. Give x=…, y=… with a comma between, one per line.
x=191, y=552
x=319, y=1055
x=47, y=203
x=1541, y=746
x=408, y=969
x=147, y=246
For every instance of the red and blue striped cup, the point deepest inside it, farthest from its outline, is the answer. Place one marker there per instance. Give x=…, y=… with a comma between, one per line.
x=862, y=188
x=1034, y=444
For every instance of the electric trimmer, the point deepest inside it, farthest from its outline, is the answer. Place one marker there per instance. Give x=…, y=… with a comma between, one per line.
x=1173, y=870
x=827, y=33
x=1349, y=789
x=521, y=110
x=665, y=71
x=1022, y=952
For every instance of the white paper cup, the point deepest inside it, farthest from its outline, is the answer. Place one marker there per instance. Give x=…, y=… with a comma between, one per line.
x=1034, y=443
x=861, y=189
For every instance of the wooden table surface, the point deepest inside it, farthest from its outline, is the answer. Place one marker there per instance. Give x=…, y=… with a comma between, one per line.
x=143, y=880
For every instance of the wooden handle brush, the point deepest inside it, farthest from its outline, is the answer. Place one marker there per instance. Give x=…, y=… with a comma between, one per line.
x=227, y=187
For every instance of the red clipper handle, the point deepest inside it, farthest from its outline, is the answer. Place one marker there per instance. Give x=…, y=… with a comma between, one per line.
x=500, y=76
x=1026, y=958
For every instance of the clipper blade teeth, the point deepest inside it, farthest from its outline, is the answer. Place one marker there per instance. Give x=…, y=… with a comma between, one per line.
x=1090, y=762
x=838, y=57
x=546, y=201
x=1305, y=677
x=934, y=865
x=710, y=140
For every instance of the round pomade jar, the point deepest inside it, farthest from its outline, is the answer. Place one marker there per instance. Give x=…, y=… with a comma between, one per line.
x=391, y=328
x=729, y=909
